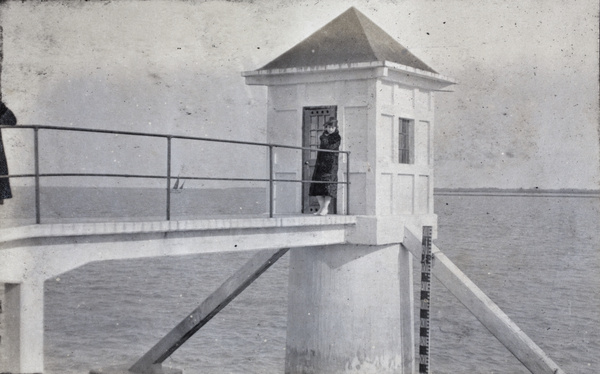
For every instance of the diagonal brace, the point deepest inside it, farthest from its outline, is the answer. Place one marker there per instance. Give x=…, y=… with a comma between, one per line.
x=485, y=310
x=213, y=304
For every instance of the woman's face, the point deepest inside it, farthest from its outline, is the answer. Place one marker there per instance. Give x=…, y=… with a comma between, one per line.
x=330, y=129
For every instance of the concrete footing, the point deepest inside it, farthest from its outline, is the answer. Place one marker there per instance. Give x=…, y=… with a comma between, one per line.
x=350, y=310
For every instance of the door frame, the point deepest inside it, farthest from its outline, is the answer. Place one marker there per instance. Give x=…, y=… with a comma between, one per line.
x=309, y=113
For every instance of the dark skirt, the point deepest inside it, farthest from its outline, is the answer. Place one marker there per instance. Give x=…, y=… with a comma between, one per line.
x=324, y=189
x=326, y=167
x=326, y=170
x=4, y=183
x=7, y=118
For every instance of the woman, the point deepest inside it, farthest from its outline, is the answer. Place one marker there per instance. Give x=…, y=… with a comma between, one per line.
x=326, y=167
x=7, y=118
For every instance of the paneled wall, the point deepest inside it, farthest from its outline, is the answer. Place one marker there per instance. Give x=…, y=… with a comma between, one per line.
x=285, y=104
x=370, y=111
x=404, y=188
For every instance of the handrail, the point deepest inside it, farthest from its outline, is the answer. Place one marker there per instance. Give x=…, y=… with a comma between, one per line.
x=157, y=135
x=169, y=137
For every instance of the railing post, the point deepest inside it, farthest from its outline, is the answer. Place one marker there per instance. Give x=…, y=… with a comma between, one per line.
x=348, y=183
x=36, y=156
x=168, y=178
x=270, y=181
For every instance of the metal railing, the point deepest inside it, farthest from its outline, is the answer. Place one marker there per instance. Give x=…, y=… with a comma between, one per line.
x=168, y=177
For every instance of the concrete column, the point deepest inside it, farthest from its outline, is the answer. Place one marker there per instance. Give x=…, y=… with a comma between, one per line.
x=350, y=310
x=24, y=317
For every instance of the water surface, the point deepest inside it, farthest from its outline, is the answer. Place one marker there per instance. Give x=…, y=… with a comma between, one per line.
x=538, y=258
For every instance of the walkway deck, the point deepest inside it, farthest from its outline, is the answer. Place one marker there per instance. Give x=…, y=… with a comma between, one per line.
x=65, y=246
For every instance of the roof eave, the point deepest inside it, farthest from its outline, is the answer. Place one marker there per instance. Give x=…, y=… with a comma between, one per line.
x=419, y=72
x=411, y=71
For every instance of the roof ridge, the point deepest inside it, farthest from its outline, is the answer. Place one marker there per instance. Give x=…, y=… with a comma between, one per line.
x=351, y=37
x=376, y=45
x=357, y=13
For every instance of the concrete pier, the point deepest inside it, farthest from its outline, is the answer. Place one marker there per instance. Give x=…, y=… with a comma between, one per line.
x=350, y=310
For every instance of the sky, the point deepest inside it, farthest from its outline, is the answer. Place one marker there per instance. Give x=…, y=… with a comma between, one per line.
x=523, y=114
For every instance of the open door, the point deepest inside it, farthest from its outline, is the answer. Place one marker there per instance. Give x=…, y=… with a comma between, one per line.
x=313, y=119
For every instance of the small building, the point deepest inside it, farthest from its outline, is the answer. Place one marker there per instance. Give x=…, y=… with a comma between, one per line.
x=350, y=306
x=383, y=97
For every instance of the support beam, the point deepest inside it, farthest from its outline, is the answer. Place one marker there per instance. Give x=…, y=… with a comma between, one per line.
x=151, y=362
x=485, y=310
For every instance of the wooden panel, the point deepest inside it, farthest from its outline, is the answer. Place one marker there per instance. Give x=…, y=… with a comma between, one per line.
x=422, y=188
x=284, y=97
x=287, y=194
x=356, y=133
x=385, y=139
x=423, y=102
x=422, y=143
x=320, y=92
x=358, y=185
x=385, y=199
x=356, y=91
x=386, y=93
x=404, y=194
x=405, y=99
x=284, y=128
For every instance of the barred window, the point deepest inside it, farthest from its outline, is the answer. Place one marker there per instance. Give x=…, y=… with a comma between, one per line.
x=406, y=142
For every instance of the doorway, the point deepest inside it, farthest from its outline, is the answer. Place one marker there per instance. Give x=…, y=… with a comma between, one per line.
x=313, y=119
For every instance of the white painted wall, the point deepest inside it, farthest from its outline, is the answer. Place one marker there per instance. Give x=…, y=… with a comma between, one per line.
x=404, y=188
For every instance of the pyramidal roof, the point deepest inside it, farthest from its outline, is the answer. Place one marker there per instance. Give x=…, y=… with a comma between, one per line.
x=349, y=38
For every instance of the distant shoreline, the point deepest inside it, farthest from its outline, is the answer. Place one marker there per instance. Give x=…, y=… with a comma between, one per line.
x=567, y=192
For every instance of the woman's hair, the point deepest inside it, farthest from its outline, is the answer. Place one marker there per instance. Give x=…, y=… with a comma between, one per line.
x=331, y=122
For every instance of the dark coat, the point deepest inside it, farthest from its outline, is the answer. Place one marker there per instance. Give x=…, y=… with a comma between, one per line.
x=7, y=118
x=326, y=166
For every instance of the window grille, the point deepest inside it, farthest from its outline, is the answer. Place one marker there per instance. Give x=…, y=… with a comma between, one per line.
x=405, y=141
